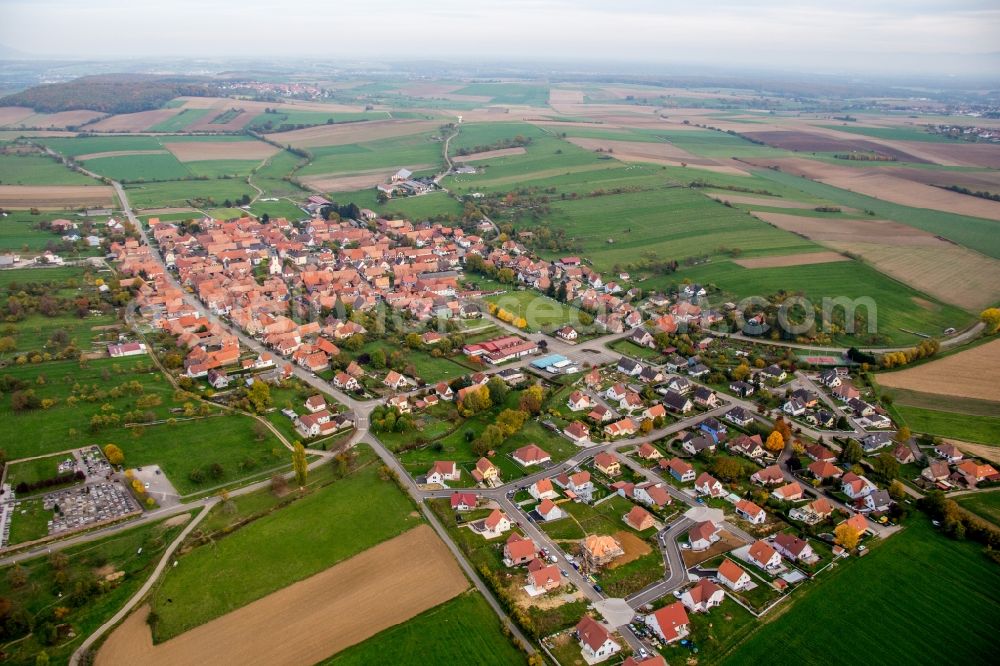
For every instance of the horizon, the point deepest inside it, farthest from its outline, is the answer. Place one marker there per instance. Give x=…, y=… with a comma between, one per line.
x=927, y=39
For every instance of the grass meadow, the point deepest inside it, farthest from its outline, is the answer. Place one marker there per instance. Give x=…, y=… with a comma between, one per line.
x=324, y=527
x=464, y=630
x=38, y=170
x=899, y=587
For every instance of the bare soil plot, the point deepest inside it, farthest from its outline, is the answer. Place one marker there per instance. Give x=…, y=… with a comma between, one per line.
x=830, y=229
x=633, y=546
x=964, y=374
x=655, y=153
x=802, y=259
x=133, y=122
x=118, y=153
x=354, y=181
x=55, y=197
x=234, y=124
x=195, y=151
x=488, y=154
x=312, y=619
x=974, y=180
x=11, y=115
x=880, y=184
x=347, y=133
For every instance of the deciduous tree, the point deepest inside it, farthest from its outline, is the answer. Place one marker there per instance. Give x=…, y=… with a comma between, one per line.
x=299, y=464
x=846, y=536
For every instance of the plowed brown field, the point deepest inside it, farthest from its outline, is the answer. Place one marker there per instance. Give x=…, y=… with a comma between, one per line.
x=55, y=197
x=965, y=374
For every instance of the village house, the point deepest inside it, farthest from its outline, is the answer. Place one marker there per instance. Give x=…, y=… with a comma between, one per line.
x=763, y=555
x=315, y=403
x=855, y=486
x=442, y=471
x=739, y=416
x=732, y=575
x=595, y=641
x=346, y=382
x=676, y=402
x=639, y=519
x=706, y=484
x=578, y=401
x=542, y=578
x=651, y=494
x=463, y=501
x=702, y=535
x=518, y=550
x=823, y=470
x=542, y=489
x=547, y=510
x=751, y=446
x=494, y=525
x=623, y=428
x=530, y=454
x=647, y=451
x=768, y=476
x=670, y=623
x=679, y=469
x=607, y=463
x=750, y=512
x=577, y=431
x=486, y=472
x=794, y=548
x=703, y=596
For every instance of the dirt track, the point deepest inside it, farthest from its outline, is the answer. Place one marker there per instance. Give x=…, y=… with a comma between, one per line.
x=965, y=374
x=118, y=153
x=312, y=619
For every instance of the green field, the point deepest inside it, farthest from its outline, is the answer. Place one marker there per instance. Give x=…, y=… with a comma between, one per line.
x=985, y=504
x=417, y=152
x=134, y=551
x=38, y=170
x=526, y=94
x=34, y=470
x=326, y=526
x=221, y=168
x=895, y=303
x=898, y=586
x=56, y=276
x=137, y=168
x=198, y=193
x=271, y=176
x=276, y=209
x=29, y=521
x=893, y=133
x=461, y=631
x=288, y=119
x=967, y=427
x=180, y=121
x=539, y=310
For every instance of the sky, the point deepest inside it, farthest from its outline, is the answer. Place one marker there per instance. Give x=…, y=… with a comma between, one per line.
x=831, y=36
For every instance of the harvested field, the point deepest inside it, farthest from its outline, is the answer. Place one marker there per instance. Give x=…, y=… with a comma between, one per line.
x=801, y=259
x=118, y=153
x=133, y=122
x=234, y=124
x=343, y=134
x=974, y=180
x=429, y=89
x=950, y=272
x=633, y=546
x=654, y=153
x=960, y=374
x=381, y=587
x=11, y=115
x=55, y=197
x=811, y=142
x=355, y=181
x=195, y=151
x=488, y=154
x=878, y=183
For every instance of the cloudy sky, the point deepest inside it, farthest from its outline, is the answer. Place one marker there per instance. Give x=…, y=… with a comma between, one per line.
x=943, y=36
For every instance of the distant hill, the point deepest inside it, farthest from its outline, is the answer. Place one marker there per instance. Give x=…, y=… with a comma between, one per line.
x=109, y=93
